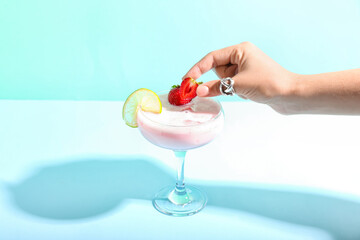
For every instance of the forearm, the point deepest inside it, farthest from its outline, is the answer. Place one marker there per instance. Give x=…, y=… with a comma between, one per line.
x=326, y=93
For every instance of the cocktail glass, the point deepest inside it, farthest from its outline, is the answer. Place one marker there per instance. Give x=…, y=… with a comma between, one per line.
x=180, y=200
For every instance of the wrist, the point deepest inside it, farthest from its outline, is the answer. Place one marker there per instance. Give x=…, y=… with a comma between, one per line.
x=296, y=86
x=287, y=102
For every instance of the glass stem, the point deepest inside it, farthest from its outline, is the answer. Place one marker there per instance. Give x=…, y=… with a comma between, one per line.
x=180, y=184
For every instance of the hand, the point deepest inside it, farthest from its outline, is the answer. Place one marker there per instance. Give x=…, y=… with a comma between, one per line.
x=259, y=78
x=256, y=76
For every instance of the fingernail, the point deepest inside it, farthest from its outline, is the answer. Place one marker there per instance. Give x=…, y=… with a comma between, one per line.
x=202, y=91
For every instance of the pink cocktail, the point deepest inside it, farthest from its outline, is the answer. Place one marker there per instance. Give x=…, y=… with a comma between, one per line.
x=181, y=128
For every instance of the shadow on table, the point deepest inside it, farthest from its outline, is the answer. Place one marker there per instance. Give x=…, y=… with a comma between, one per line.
x=89, y=187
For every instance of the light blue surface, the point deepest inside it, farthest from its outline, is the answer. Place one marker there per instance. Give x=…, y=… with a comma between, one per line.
x=105, y=49
x=73, y=170
x=109, y=197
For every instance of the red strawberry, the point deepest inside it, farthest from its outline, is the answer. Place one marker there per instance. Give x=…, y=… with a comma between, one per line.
x=188, y=88
x=175, y=97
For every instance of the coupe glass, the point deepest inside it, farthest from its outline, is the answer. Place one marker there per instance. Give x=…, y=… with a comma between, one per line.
x=180, y=200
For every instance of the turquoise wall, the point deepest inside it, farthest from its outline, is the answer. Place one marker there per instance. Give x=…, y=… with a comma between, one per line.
x=105, y=49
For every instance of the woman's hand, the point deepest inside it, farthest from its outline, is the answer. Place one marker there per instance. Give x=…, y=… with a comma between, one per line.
x=259, y=78
x=256, y=76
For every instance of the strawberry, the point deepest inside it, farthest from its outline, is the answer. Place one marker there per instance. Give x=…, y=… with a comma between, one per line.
x=180, y=95
x=188, y=88
x=175, y=97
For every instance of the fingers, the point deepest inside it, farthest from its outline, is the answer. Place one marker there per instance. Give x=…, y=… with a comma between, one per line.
x=233, y=55
x=209, y=89
x=212, y=88
x=226, y=71
x=211, y=60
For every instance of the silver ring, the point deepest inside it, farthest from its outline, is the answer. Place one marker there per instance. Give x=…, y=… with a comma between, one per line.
x=227, y=86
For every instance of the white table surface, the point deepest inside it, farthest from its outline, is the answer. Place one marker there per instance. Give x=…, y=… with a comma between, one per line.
x=74, y=170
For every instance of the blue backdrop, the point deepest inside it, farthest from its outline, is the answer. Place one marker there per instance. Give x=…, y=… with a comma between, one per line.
x=105, y=49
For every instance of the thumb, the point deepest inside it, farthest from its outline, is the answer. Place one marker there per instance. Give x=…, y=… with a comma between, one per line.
x=209, y=89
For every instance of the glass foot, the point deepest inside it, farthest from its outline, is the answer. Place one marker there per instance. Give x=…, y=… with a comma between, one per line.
x=179, y=202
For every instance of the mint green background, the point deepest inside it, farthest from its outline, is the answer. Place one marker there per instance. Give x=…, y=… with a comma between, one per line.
x=104, y=50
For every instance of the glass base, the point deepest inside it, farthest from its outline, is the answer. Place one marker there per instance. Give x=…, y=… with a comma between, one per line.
x=181, y=202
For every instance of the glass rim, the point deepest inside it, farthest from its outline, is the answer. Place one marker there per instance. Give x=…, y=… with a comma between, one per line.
x=192, y=125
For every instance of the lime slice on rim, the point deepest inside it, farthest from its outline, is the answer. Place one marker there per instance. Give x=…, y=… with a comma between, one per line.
x=144, y=98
